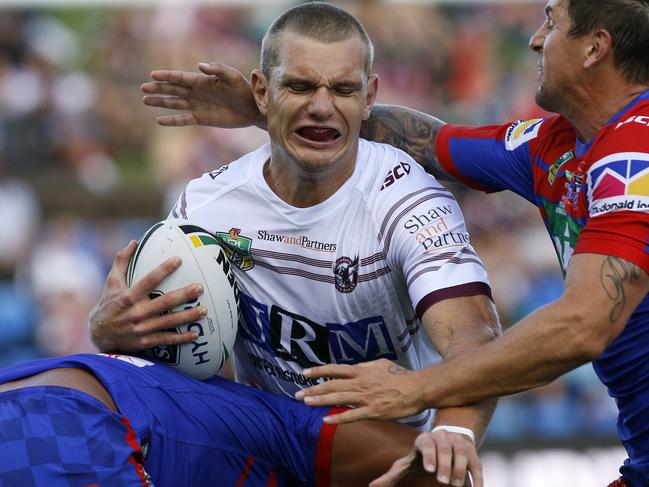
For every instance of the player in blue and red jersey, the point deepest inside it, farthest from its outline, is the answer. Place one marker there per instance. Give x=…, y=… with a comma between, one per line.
x=587, y=170
x=117, y=420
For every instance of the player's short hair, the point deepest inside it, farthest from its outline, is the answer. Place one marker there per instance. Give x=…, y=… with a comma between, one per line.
x=315, y=20
x=628, y=23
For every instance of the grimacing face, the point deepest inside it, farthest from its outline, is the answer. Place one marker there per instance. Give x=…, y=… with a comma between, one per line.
x=315, y=101
x=559, y=57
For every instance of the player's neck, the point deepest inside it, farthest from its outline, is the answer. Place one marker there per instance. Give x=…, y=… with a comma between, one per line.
x=303, y=188
x=593, y=105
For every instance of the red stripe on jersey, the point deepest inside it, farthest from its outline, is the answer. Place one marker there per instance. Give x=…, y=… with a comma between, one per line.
x=272, y=481
x=135, y=458
x=623, y=234
x=443, y=151
x=325, y=451
x=246, y=471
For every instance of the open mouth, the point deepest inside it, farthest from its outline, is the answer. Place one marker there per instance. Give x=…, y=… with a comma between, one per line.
x=318, y=134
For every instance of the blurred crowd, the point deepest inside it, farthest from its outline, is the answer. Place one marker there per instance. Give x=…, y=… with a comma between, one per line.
x=84, y=168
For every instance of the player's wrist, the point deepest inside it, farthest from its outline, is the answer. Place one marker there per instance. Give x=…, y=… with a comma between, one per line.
x=416, y=391
x=456, y=429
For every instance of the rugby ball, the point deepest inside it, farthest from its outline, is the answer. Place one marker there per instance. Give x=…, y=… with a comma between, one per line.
x=205, y=263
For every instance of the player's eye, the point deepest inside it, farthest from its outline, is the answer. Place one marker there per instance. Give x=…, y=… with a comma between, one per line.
x=345, y=90
x=299, y=88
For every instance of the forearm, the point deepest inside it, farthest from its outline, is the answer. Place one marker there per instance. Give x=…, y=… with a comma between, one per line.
x=458, y=326
x=532, y=353
x=409, y=130
x=475, y=417
x=600, y=295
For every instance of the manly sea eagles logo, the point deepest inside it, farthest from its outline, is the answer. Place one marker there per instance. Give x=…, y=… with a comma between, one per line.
x=346, y=274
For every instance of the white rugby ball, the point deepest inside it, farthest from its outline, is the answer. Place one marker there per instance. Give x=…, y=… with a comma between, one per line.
x=205, y=263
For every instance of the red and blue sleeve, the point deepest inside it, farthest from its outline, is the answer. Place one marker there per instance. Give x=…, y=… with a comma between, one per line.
x=618, y=195
x=492, y=158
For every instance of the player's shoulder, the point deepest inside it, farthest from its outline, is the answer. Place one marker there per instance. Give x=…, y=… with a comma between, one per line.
x=230, y=173
x=396, y=182
x=228, y=177
x=388, y=170
x=535, y=131
x=630, y=130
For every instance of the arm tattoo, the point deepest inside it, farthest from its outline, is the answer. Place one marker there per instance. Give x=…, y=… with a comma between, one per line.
x=615, y=272
x=409, y=130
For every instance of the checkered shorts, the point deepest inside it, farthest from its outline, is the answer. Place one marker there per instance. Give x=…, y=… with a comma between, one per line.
x=60, y=437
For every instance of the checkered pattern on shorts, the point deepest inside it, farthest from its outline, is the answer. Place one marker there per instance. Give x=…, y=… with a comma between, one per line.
x=58, y=437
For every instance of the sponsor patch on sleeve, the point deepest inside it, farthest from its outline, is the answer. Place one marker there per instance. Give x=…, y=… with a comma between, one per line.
x=521, y=132
x=619, y=182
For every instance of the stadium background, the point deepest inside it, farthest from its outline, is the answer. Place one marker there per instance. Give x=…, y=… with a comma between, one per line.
x=84, y=168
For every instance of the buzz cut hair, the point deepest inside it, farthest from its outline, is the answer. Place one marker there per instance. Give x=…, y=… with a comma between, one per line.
x=316, y=20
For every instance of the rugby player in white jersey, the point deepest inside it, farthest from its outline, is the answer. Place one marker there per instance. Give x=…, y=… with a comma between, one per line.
x=345, y=250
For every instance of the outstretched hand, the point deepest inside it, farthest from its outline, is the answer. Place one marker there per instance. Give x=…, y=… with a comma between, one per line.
x=379, y=389
x=447, y=456
x=219, y=96
x=126, y=320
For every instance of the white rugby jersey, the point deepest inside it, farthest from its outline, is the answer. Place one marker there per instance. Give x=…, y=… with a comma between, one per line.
x=344, y=281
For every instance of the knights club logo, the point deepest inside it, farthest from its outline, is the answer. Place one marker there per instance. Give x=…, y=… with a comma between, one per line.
x=346, y=274
x=237, y=248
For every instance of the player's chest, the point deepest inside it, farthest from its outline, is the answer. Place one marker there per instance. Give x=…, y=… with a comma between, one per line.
x=561, y=191
x=310, y=299
x=340, y=256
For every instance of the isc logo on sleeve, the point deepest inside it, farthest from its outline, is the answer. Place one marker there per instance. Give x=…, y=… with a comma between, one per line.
x=521, y=132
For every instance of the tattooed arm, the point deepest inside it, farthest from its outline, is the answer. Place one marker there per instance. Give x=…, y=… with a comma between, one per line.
x=411, y=131
x=601, y=293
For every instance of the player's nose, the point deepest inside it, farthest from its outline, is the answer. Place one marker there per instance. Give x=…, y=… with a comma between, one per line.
x=321, y=104
x=537, y=40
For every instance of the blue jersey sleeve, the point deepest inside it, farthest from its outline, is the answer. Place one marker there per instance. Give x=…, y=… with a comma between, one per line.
x=491, y=158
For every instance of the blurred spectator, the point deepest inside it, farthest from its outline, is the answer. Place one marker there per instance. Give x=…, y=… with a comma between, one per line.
x=66, y=279
x=20, y=221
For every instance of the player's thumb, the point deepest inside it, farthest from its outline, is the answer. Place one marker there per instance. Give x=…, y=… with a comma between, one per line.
x=117, y=273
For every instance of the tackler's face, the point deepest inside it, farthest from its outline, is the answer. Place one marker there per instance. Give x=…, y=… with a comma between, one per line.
x=316, y=98
x=560, y=57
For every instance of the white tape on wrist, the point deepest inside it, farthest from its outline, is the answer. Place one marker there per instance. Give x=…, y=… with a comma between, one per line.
x=456, y=429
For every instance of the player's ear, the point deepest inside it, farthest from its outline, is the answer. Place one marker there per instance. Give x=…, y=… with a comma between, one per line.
x=372, y=91
x=598, y=46
x=260, y=90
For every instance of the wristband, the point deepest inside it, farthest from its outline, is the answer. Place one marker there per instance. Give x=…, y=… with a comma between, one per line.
x=456, y=429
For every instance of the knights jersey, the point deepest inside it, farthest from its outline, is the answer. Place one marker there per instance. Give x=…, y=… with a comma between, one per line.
x=191, y=433
x=594, y=198
x=344, y=281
